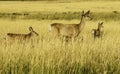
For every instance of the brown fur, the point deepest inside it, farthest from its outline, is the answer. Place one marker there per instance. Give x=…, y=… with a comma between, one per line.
x=97, y=32
x=21, y=37
x=69, y=30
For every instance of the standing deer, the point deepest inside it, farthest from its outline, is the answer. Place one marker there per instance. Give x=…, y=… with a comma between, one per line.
x=70, y=30
x=21, y=37
x=98, y=32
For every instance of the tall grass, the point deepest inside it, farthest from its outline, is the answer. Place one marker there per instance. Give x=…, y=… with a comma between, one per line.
x=51, y=56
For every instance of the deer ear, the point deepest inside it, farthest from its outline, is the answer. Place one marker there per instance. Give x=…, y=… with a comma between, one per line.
x=83, y=12
x=88, y=12
x=30, y=28
x=101, y=22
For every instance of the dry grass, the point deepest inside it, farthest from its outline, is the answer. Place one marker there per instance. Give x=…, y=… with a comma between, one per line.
x=38, y=6
x=51, y=56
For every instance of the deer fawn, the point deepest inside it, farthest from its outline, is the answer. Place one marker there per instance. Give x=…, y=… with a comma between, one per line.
x=98, y=32
x=21, y=37
x=70, y=30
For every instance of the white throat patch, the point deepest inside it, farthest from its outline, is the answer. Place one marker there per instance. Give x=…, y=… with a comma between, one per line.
x=49, y=28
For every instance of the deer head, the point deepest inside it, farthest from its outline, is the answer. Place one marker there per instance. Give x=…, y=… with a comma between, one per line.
x=86, y=15
x=32, y=32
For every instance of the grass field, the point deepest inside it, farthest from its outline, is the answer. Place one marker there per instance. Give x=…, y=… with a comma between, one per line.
x=100, y=10
x=51, y=56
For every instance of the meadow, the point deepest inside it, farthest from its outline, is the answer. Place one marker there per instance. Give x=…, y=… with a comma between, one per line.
x=51, y=56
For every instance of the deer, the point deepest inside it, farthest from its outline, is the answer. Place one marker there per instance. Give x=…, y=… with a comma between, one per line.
x=98, y=32
x=69, y=30
x=21, y=37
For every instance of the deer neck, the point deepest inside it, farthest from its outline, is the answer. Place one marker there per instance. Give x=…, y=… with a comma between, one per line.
x=99, y=28
x=29, y=34
x=82, y=23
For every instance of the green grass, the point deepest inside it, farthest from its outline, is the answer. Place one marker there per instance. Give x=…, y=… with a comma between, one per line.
x=100, y=10
x=108, y=16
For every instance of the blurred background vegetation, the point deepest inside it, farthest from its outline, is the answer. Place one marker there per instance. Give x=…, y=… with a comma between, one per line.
x=114, y=15
x=59, y=9
x=60, y=0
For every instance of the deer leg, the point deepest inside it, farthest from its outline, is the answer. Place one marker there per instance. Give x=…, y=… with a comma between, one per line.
x=63, y=39
x=73, y=40
x=94, y=37
x=101, y=35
